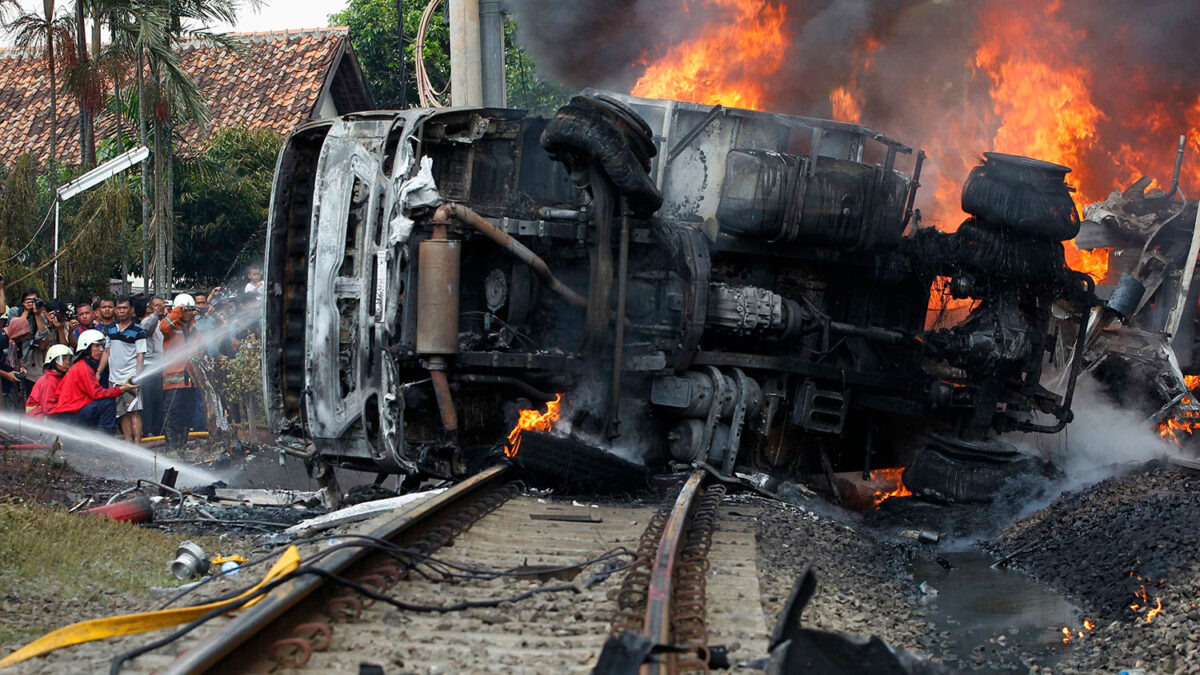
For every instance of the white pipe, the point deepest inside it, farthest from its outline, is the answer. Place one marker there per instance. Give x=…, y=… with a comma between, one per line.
x=54, y=281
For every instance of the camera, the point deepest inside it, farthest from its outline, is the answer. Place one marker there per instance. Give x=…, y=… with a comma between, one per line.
x=39, y=303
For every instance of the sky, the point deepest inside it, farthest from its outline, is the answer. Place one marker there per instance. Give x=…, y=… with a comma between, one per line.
x=283, y=14
x=274, y=14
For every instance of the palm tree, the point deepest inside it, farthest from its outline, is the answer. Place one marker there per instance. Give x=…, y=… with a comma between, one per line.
x=50, y=35
x=85, y=83
x=176, y=98
x=145, y=33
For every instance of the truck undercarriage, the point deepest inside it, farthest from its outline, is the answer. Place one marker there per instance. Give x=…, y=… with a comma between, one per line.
x=690, y=284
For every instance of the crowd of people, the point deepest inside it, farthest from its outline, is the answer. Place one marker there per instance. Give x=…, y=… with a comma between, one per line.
x=127, y=365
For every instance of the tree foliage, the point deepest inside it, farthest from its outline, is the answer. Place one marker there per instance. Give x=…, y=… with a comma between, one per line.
x=23, y=208
x=96, y=237
x=223, y=198
x=94, y=231
x=243, y=373
x=372, y=26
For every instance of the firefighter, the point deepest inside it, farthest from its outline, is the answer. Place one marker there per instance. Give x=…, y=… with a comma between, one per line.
x=45, y=392
x=81, y=399
x=179, y=382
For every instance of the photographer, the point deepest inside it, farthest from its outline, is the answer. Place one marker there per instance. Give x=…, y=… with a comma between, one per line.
x=17, y=339
x=31, y=350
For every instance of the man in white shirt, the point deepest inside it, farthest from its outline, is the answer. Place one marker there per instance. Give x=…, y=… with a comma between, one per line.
x=151, y=390
x=126, y=360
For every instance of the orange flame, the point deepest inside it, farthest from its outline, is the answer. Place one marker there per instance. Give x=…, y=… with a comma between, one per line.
x=845, y=107
x=1192, y=381
x=893, y=476
x=1042, y=100
x=727, y=63
x=1079, y=634
x=1027, y=91
x=945, y=310
x=532, y=420
x=1180, y=425
x=1154, y=612
x=1144, y=597
x=1093, y=262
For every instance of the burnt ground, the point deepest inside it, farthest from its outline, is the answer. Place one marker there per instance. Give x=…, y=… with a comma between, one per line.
x=1128, y=540
x=1083, y=545
x=38, y=478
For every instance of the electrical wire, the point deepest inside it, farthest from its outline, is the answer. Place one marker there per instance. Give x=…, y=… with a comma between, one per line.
x=33, y=238
x=426, y=92
x=120, y=660
x=439, y=565
x=504, y=324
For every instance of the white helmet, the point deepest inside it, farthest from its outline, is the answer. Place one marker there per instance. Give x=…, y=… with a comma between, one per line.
x=88, y=338
x=185, y=301
x=57, y=351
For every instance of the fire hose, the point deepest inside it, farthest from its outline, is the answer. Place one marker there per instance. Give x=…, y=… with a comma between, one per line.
x=131, y=624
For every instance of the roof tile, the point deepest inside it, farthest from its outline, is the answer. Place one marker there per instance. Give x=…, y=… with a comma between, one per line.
x=271, y=80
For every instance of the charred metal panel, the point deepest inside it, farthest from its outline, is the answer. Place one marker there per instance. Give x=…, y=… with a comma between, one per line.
x=348, y=183
x=286, y=302
x=827, y=196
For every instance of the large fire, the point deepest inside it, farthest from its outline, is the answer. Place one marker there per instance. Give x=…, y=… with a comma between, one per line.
x=727, y=63
x=892, y=476
x=1027, y=88
x=532, y=420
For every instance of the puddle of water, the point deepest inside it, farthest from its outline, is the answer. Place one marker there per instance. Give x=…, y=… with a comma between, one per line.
x=977, y=605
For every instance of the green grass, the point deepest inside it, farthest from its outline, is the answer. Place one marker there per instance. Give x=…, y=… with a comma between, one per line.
x=64, y=555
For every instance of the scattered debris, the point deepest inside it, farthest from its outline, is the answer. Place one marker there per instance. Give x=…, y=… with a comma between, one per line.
x=262, y=497
x=136, y=510
x=190, y=562
x=353, y=514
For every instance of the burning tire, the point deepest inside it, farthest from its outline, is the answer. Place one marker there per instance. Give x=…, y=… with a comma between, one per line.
x=957, y=471
x=1023, y=194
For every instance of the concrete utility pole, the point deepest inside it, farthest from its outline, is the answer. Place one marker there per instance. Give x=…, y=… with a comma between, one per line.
x=466, y=66
x=491, y=30
x=477, y=53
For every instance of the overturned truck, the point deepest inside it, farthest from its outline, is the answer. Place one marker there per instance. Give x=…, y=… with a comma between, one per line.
x=694, y=285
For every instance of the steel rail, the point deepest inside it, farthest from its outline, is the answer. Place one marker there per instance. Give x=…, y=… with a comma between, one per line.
x=216, y=646
x=657, y=625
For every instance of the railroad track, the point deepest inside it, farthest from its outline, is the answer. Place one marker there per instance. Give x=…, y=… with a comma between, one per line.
x=682, y=574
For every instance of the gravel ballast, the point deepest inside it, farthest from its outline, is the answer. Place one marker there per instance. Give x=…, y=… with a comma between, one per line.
x=1117, y=549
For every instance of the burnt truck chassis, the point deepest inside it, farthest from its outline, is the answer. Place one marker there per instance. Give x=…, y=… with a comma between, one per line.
x=707, y=286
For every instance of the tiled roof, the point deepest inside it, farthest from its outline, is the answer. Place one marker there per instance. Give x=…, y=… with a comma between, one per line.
x=272, y=80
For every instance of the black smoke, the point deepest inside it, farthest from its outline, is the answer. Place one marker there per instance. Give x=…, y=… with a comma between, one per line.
x=923, y=80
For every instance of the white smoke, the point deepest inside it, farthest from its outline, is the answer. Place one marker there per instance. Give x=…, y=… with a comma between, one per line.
x=1103, y=440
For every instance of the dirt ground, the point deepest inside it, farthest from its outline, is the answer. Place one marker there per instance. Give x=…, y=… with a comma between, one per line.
x=57, y=567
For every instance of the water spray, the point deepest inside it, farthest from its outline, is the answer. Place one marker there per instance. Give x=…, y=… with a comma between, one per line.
x=145, y=460
x=196, y=345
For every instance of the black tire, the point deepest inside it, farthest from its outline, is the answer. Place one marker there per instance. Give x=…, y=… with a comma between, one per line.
x=958, y=472
x=1022, y=194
